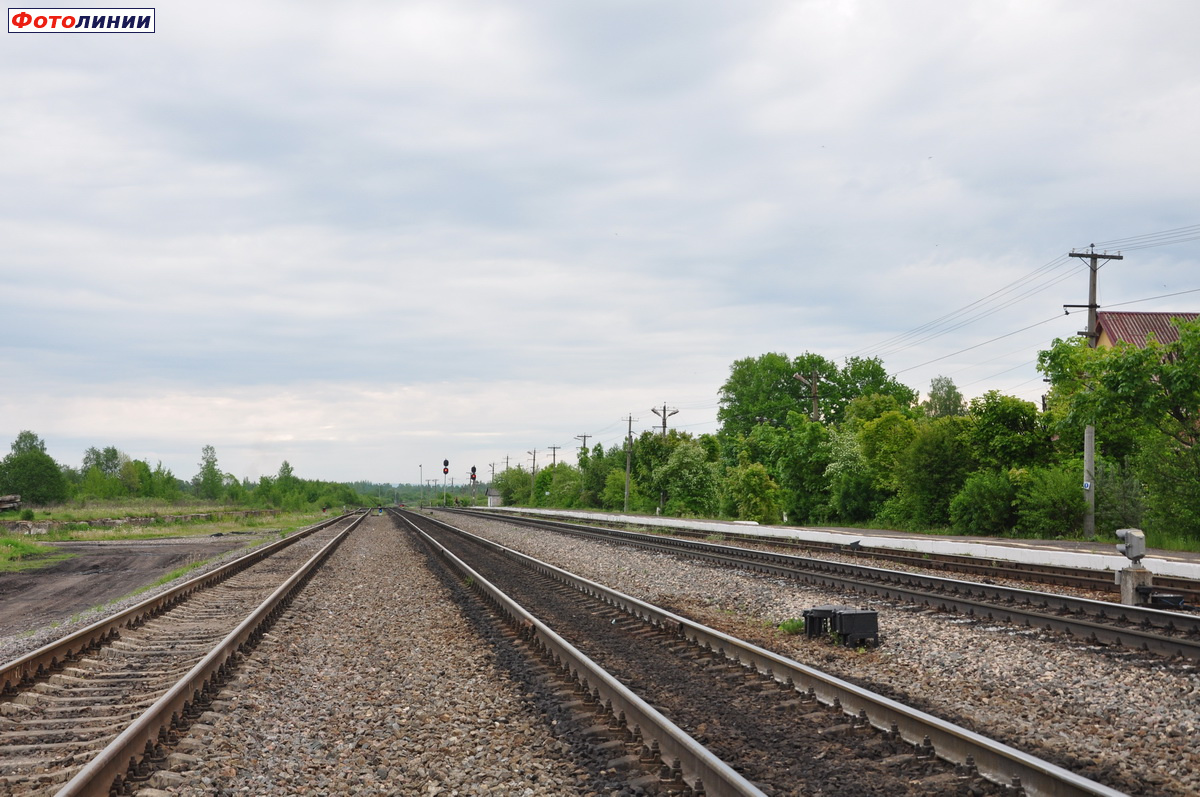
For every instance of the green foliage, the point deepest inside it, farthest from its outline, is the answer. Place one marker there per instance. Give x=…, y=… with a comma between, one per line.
x=1006, y=432
x=763, y=390
x=944, y=400
x=208, y=483
x=865, y=377
x=884, y=442
x=690, y=482
x=930, y=471
x=985, y=505
x=557, y=486
x=1170, y=473
x=853, y=497
x=514, y=485
x=793, y=626
x=1120, y=498
x=1050, y=502
x=31, y=473
x=751, y=494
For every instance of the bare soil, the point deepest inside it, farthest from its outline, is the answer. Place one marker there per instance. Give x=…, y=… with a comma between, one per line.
x=99, y=572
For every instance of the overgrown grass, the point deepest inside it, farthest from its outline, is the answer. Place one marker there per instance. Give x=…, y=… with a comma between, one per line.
x=17, y=553
x=283, y=523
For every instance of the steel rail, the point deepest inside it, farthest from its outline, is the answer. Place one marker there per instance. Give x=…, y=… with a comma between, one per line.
x=699, y=766
x=1082, y=618
x=25, y=669
x=1082, y=578
x=996, y=761
x=140, y=740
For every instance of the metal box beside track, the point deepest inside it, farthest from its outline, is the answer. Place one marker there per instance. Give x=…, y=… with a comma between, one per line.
x=853, y=626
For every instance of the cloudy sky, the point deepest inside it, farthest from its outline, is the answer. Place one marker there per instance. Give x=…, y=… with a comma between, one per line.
x=367, y=236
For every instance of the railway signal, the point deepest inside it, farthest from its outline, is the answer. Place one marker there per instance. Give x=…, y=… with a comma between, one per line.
x=1133, y=544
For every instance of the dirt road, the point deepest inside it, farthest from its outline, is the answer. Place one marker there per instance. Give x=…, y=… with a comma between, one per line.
x=98, y=573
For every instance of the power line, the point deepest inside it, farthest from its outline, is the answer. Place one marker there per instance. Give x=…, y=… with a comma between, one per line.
x=977, y=345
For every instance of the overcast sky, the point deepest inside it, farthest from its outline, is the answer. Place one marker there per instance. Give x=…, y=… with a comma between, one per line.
x=367, y=236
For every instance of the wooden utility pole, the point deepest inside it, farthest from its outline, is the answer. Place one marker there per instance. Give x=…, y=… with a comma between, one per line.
x=811, y=382
x=1089, y=431
x=584, y=438
x=532, y=476
x=628, y=457
x=553, y=455
x=664, y=413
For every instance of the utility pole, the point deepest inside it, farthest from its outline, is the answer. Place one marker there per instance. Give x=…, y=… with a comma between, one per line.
x=532, y=477
x=584, y=438
x=1089, y=431
x=811, y=382
x=665, y=413
x=628, y=456
x=553, y=455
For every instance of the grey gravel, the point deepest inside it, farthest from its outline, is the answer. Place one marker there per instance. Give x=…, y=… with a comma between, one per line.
x=374, y=683
x=1118, y=716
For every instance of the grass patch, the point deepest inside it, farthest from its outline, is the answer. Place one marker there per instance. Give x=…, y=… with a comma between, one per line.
x=792, y=626
x=18, y=554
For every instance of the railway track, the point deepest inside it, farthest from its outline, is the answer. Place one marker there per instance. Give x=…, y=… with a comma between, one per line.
x=1102, y=622
x=1097, y=581
x=786, y=728
x=96, y=709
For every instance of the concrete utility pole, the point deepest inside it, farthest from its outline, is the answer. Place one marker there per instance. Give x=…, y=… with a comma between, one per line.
x=628, y=457
x=1089, y=431
x=553, y=455
x=584, y=438
x=664, y=413
x=811, y=382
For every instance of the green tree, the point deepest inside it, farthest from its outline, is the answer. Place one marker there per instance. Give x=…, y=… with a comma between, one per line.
x=514, y=486
x=944, y=399
x=28, y=471
x=750, y=494
x=931, y=471
x=1006, y=433
x=1049, y=502
x=209, y=482
x=864, y=377
x=985, y=505
x=690, y=481
x=1147, y=402
x=27, y=441
x=764, y=389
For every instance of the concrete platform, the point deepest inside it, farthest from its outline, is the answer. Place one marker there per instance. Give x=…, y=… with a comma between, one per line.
x=1068, y=553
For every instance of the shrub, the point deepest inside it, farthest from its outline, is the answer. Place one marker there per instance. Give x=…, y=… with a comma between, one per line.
x=1050, y=502
x=984, y=505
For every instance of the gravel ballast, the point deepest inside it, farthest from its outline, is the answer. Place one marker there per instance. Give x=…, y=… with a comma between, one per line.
x=373, y=683
x=1123, y=718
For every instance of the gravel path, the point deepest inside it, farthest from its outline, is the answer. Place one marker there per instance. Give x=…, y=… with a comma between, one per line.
x=1125, y=719
x=374, y=683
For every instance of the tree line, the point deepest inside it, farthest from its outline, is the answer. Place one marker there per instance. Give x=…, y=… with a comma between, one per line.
x=812, y=442
x=110, y=474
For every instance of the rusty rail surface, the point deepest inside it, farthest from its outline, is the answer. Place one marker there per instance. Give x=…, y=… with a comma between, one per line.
x=996, y=761
x=142, y=741
x=45, y=660
x=698, y=764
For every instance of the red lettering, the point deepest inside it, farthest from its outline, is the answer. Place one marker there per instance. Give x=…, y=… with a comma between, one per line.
x=54, y=21
x=22, y=19
x=68, y=22
x=39, y=22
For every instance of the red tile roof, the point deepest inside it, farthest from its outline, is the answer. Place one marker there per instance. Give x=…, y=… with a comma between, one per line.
x=1134, y=327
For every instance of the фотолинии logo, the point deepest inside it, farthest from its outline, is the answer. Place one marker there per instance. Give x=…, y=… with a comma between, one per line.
x=81, y=20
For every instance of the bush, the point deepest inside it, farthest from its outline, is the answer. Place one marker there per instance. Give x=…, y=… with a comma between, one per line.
x=26, y=514
x=1050, y=502
x=984, y=505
